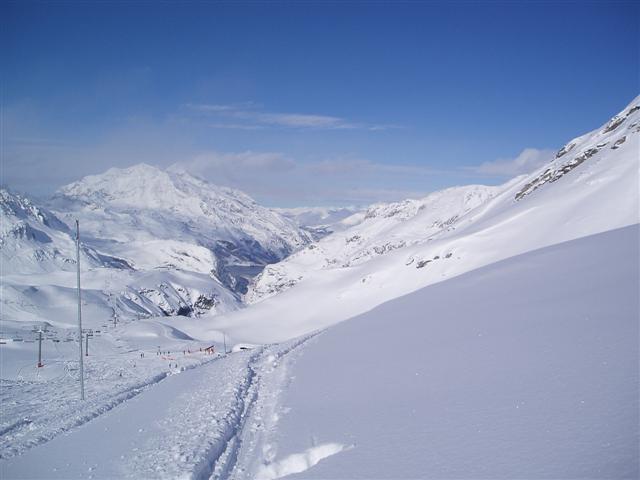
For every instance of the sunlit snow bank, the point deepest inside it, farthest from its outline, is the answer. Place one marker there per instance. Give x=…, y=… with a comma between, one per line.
x=527, y=368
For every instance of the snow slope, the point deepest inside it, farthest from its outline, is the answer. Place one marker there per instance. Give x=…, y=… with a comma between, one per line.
x=527, y=368
x=533, y=375
x=590, y=187
x=378, y=230
x=38, y=404
x=185, y=423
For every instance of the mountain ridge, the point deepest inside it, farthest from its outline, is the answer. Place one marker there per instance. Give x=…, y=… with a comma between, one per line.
x=588, y=188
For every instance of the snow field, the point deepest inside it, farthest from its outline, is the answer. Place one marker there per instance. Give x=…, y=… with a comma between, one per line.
x=39, y=404
x=192, y=425
x=527, y=368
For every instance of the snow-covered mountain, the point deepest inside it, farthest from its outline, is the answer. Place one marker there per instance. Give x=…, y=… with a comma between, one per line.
x=168, y=218
x=38, y=264
x=153, y=243
x=590, y=187
x=35, y=240
x=166, y=242
x=375, y=231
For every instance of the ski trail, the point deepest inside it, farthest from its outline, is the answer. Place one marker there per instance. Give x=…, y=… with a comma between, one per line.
x=206, y=431
x=201, y=424
x=202, y=435
x=223, y=457
x=268, y=378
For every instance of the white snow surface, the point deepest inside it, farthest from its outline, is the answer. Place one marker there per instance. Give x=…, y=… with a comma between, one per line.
x=527, y=368
x=184, y=422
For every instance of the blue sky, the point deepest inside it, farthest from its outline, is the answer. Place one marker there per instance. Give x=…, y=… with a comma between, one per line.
x=309, y=103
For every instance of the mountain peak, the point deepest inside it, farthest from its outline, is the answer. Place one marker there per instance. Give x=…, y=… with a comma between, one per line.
x=145, y=203
x=145, y=186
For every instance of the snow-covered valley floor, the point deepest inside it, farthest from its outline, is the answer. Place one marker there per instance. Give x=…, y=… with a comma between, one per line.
x=526, y=368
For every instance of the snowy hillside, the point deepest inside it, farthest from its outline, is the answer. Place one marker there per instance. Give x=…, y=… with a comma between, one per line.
x=591, y=186
x=192, y=223
x=515, y=370
x=34, y=240
x=38, y=263
x=376, y=231
x=527, y=368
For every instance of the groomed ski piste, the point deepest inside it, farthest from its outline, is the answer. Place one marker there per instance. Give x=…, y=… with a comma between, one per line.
x=482, y=332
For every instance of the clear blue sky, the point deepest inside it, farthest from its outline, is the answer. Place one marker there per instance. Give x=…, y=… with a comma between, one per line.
x=309, y=103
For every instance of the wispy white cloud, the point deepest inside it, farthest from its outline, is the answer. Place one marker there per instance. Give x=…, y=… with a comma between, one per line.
x=279, y=179
x=346, y=165
x=250, y=116
x=236, y=126
x=214, y=108
x=528, y=160
x=237, y=164
x=297, y=120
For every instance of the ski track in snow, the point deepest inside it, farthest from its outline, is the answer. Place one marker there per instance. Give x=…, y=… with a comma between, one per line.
x=200, y=423
x=213, y=427
x=208, y=428
x=39, y=424
x=251, y=449
x=217, y=425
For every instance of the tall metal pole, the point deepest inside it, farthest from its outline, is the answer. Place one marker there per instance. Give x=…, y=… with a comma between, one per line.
x=40, y=349
x=86, y=346
x=79, y=310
